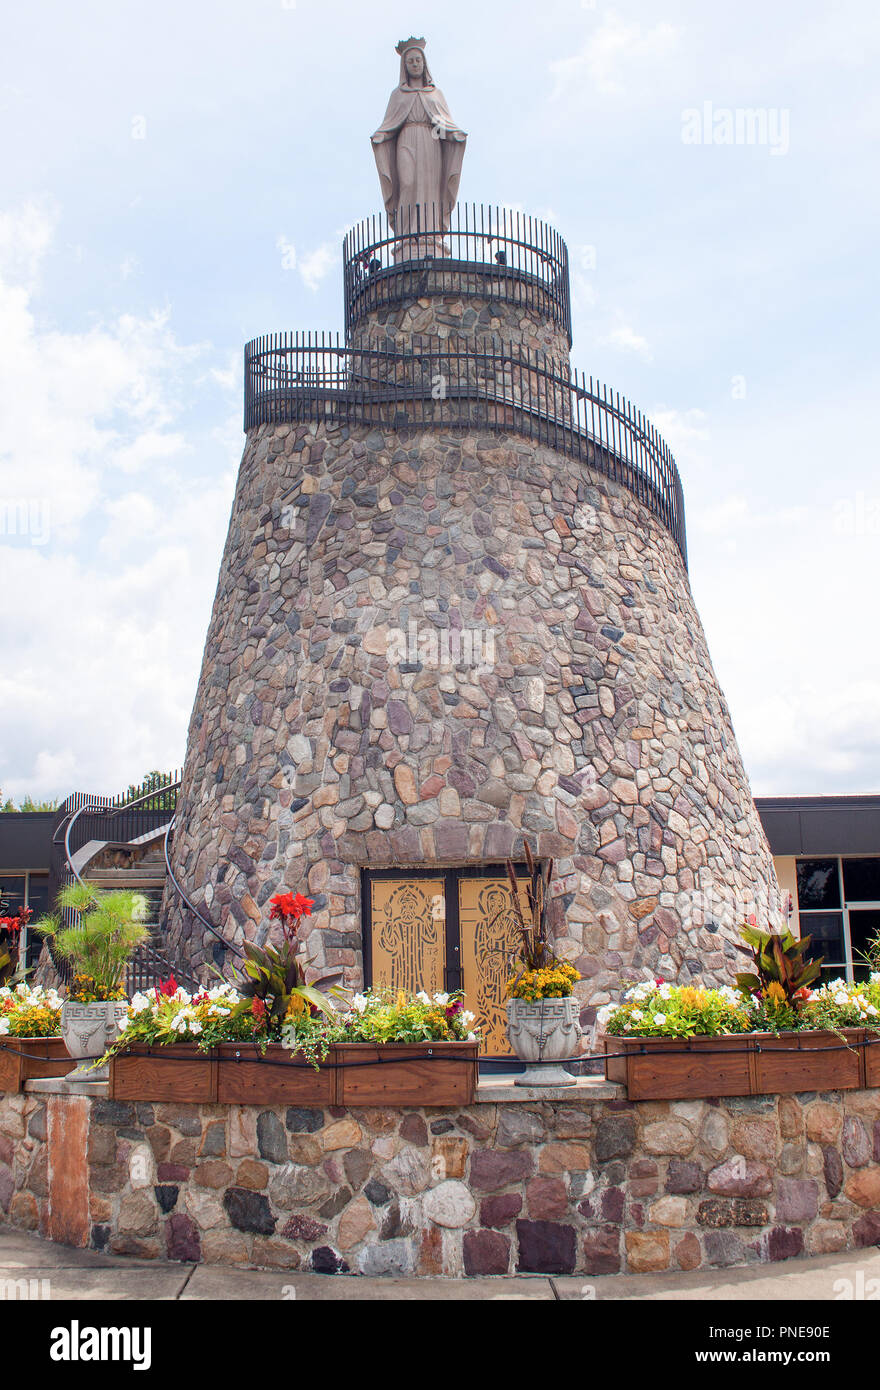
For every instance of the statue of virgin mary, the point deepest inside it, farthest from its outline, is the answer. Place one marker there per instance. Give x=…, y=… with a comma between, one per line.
x=418, y=148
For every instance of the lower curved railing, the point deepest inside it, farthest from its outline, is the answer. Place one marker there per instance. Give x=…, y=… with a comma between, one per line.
x=289, y=378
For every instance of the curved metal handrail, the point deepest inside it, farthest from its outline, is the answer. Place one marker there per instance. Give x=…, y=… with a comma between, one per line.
x=110, y=809
x=528, y=257
x=304, y=378
x=187, y=901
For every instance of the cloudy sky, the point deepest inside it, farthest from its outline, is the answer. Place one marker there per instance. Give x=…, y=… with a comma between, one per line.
x=177, y=178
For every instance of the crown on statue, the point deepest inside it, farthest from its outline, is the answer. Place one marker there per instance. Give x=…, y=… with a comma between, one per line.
x=411, y=42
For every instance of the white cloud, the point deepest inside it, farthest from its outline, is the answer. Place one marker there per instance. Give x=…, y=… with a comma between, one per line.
x=103, y=626
x=615, y=53
x=626, y=339
x=316, y=265
x=25, y=235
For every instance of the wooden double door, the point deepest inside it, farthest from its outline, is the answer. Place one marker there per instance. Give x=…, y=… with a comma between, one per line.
x=444, y=930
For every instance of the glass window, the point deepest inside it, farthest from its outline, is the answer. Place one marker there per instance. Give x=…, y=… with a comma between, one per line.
x=818, y=883
x=11, y=893
x=864, y=925
x=825, y=930
x=861, y=880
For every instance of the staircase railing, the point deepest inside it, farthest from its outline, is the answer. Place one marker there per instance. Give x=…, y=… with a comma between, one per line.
x=121, y=821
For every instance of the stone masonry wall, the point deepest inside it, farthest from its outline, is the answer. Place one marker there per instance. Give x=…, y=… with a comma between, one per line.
x=466, y=321
x=569, y=1188
x=597, y=729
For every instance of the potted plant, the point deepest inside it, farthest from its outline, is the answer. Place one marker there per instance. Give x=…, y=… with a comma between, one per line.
x=30, y=1035
x=774, y=1034
x=97, y=946
x=166, y=1049
x=285, y=1064
x=395, y=1048
x=678, y=1042
x=225, y=1043
x=542, y=1015
x=791, y=1026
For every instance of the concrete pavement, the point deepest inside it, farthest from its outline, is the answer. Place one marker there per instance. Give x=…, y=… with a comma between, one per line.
x=60, y=1272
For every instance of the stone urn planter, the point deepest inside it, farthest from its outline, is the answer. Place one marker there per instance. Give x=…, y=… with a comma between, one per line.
x=543, y=1031
x=88, y=1030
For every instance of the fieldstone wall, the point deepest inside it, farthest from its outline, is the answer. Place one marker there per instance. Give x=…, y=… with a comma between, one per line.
x=454, y=320
x=593, y=724
x=581, y=1187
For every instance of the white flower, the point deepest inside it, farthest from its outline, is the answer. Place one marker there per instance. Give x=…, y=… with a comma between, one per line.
x=194, y=1025
x=637, y=1015
x=4, y=1025
x=139, y=1002
x=841, y=998
x=441, y=999
x=660, y=1019
x=122, y=1024
x=472, y=1037
x=359, y=1003
x=627, y=1028
x=423, y=997
x=605, y=1013
x=665, y=991
x=468, y=1017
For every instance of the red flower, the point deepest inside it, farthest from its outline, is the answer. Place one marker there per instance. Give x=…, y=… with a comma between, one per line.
x=258, y=1009
x=167, y=987
x=293, y=905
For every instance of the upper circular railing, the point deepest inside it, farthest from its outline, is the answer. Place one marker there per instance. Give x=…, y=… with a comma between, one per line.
x=432, y=385
x=487, y=252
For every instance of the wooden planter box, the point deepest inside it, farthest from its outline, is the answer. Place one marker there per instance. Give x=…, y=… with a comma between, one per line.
x=47, y=1057
x=681, y=1068
x=177, y=1072
x=741, y=1064
x=811, y=1061
x=407, y=1074
x=236, y=1074
x=244, y=1077
x=872, y=1057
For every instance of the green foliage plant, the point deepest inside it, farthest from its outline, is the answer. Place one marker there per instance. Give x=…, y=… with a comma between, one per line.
x=101, y=942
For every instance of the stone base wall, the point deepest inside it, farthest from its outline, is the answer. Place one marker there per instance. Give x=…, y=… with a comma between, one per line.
x=570, y=1187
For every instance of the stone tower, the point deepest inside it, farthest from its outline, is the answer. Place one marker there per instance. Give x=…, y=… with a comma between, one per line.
x=453, y=611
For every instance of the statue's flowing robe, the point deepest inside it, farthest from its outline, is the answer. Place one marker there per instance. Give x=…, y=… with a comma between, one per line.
x=418, y=127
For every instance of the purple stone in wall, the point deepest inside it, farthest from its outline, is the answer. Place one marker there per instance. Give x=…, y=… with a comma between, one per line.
x=546, y=1247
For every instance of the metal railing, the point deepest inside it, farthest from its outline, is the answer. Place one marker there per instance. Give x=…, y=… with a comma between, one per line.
x=490, y=252
x=308, y=378
x=121, y=821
